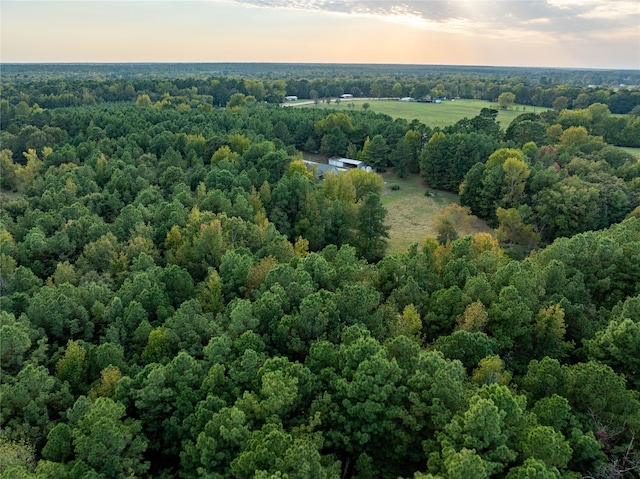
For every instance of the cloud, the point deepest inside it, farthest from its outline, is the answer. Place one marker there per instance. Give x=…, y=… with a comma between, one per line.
x=485, y=17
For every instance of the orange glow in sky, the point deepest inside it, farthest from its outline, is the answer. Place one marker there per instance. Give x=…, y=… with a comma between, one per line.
x=559, y=33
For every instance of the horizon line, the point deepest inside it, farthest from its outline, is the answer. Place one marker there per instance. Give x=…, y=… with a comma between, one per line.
x=314, y=63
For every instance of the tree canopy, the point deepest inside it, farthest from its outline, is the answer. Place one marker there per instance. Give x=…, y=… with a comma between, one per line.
x=181, y=297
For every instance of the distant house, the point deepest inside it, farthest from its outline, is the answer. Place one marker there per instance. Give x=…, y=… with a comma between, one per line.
x=346, y=96
x=408, y=99
x=290, y=98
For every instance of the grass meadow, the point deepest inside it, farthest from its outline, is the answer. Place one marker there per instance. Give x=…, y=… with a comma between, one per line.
x=411, y=215
x=431, y=114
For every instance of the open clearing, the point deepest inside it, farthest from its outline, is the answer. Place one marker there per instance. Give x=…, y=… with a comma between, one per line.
x=431, y=114
x=412, y=215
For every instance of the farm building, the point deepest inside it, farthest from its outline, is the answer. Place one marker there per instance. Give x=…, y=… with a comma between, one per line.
x=290, y=98
x=346, y=96
x=408, y=99
x=346, y=163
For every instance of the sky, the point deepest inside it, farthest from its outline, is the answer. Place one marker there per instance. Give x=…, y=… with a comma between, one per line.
x=551, y=33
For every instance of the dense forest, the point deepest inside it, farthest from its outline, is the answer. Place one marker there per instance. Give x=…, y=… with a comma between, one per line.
x=182, y=297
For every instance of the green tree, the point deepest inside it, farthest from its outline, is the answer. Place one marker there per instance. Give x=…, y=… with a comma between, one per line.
x=277, y=163
x=17, y=459
x=376, y=153
x=618, y=343
x=234, y=273
x=402, y=158
x=516, y=173
x=466, y=463
x=413, y=139
x=467, y=347
x=256, y=89
x=547, y=445
x=191, y=326
x=397, y=90
x=512, y=229
x=143, y=101
x=108, y=443
x=570, y=206
x=334, y=143
x=59, y=447
x=272, y=450
x=525, y=131
x=550, y=330
x=510, y=319
x=236, y=100
x=99, y=254
x=451, y=221
x=209, y=293
x=30, y=404
x=164, y=396
x=62, y=312
x=365, y=183
x=533, y=468
x=372, y=230
x=574, y=135
x=8, y=176
x=221, y=440
x=482, y=428
x=568, y=118
x=446, y=159
x=560, y=103
x=432, y=162
x=506, y=100
x=73, y=366
x=362, y=400
x=15, y=340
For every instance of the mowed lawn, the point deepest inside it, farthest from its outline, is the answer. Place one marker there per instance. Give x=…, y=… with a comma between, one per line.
x=431, y=114
x=411, y=215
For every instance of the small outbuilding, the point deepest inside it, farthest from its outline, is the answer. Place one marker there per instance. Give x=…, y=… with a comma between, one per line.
x=346, y=163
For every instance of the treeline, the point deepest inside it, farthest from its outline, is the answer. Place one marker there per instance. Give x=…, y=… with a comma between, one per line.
x=181, y=297
x=52, y=86
x=159, y=71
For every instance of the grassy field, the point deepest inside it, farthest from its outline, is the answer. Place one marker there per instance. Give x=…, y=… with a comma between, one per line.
x=411, y=215
x=431, y=114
